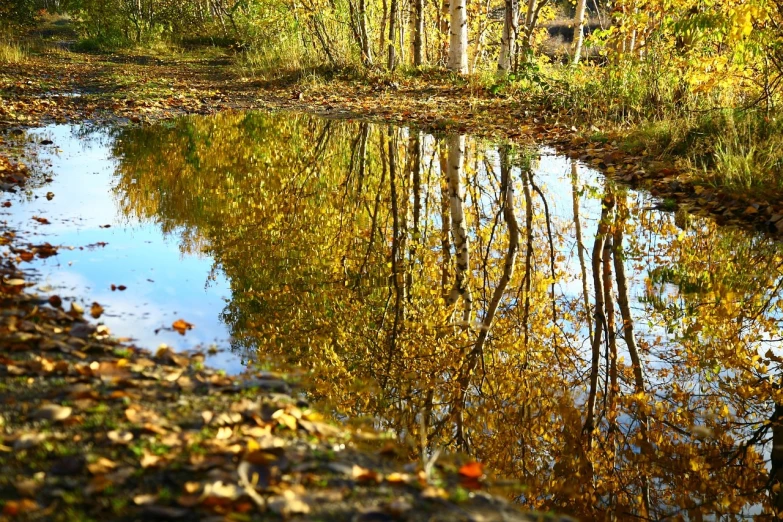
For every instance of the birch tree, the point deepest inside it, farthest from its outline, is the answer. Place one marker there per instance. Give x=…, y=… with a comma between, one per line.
x=508, y=40
x=418, y=32
x=461, y=288
x=458, y=37
x=579, y=29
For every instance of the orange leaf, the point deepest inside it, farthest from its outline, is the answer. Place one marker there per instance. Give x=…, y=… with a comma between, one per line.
x=181, y=326
x=472, y=470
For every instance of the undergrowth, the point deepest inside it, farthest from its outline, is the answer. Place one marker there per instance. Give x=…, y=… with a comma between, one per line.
x=12, y=52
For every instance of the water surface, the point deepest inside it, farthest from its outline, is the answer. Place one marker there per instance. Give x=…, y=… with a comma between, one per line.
x=503, y=301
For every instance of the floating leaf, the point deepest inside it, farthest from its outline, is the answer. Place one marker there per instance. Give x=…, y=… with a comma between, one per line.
x=96, y=310
x=181, y=326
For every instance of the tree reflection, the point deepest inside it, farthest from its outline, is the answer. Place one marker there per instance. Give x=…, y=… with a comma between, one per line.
x=441, y=286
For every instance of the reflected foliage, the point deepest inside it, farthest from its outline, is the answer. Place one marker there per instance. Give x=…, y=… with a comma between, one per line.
x=616, y=360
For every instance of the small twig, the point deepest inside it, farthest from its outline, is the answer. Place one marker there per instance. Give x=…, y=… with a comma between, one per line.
x=249, y=487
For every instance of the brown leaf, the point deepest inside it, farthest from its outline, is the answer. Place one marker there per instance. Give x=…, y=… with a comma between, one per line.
x=101, y=466
x=181, y=326
x=14, y=508
x=110, y=370
x=96, y=310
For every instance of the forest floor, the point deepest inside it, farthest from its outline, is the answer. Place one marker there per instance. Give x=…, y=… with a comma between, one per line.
x=92, y=428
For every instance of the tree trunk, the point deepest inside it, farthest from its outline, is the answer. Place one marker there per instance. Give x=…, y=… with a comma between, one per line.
x=418, y=32
x=611, y=358
x=600, y=322
x=630, y=341
x=508, y=40
x=580, y=248
x=458, y=36
x=445, y=221
x=579, y=29
x=366, y=44
x=445, y=9
x=392, y=34
x=528, y=251
x=530, y=16
x=414, y=152
x=458, y=229
x=476, y=353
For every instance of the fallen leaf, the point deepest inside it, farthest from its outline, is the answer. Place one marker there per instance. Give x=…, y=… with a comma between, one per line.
x=289, y=503
x=28, y=487
x=145, y=499
x=120, y=437
x=52, y=412
x=96, y=310
x=15, y=508
x=149, y=460
x=181, y=326
x=221, y=490
x=101, y=466
x=433, y=493
x=472, y=470
x=286, y=419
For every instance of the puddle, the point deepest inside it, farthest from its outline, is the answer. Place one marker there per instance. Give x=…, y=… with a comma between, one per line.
x=380, y=260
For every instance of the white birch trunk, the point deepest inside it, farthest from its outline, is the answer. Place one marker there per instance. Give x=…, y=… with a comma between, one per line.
x=458, y=36
x=509, y=38
x=458, y=228
x=579, y=29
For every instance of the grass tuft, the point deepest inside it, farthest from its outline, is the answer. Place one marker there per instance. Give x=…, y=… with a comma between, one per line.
x=12, y=52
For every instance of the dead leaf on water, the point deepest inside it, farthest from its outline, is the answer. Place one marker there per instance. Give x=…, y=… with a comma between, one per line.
x=181, y=326
x=96, y=310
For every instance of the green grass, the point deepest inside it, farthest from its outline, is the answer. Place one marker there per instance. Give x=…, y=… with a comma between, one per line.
x=12, y=53
x=738, y=151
